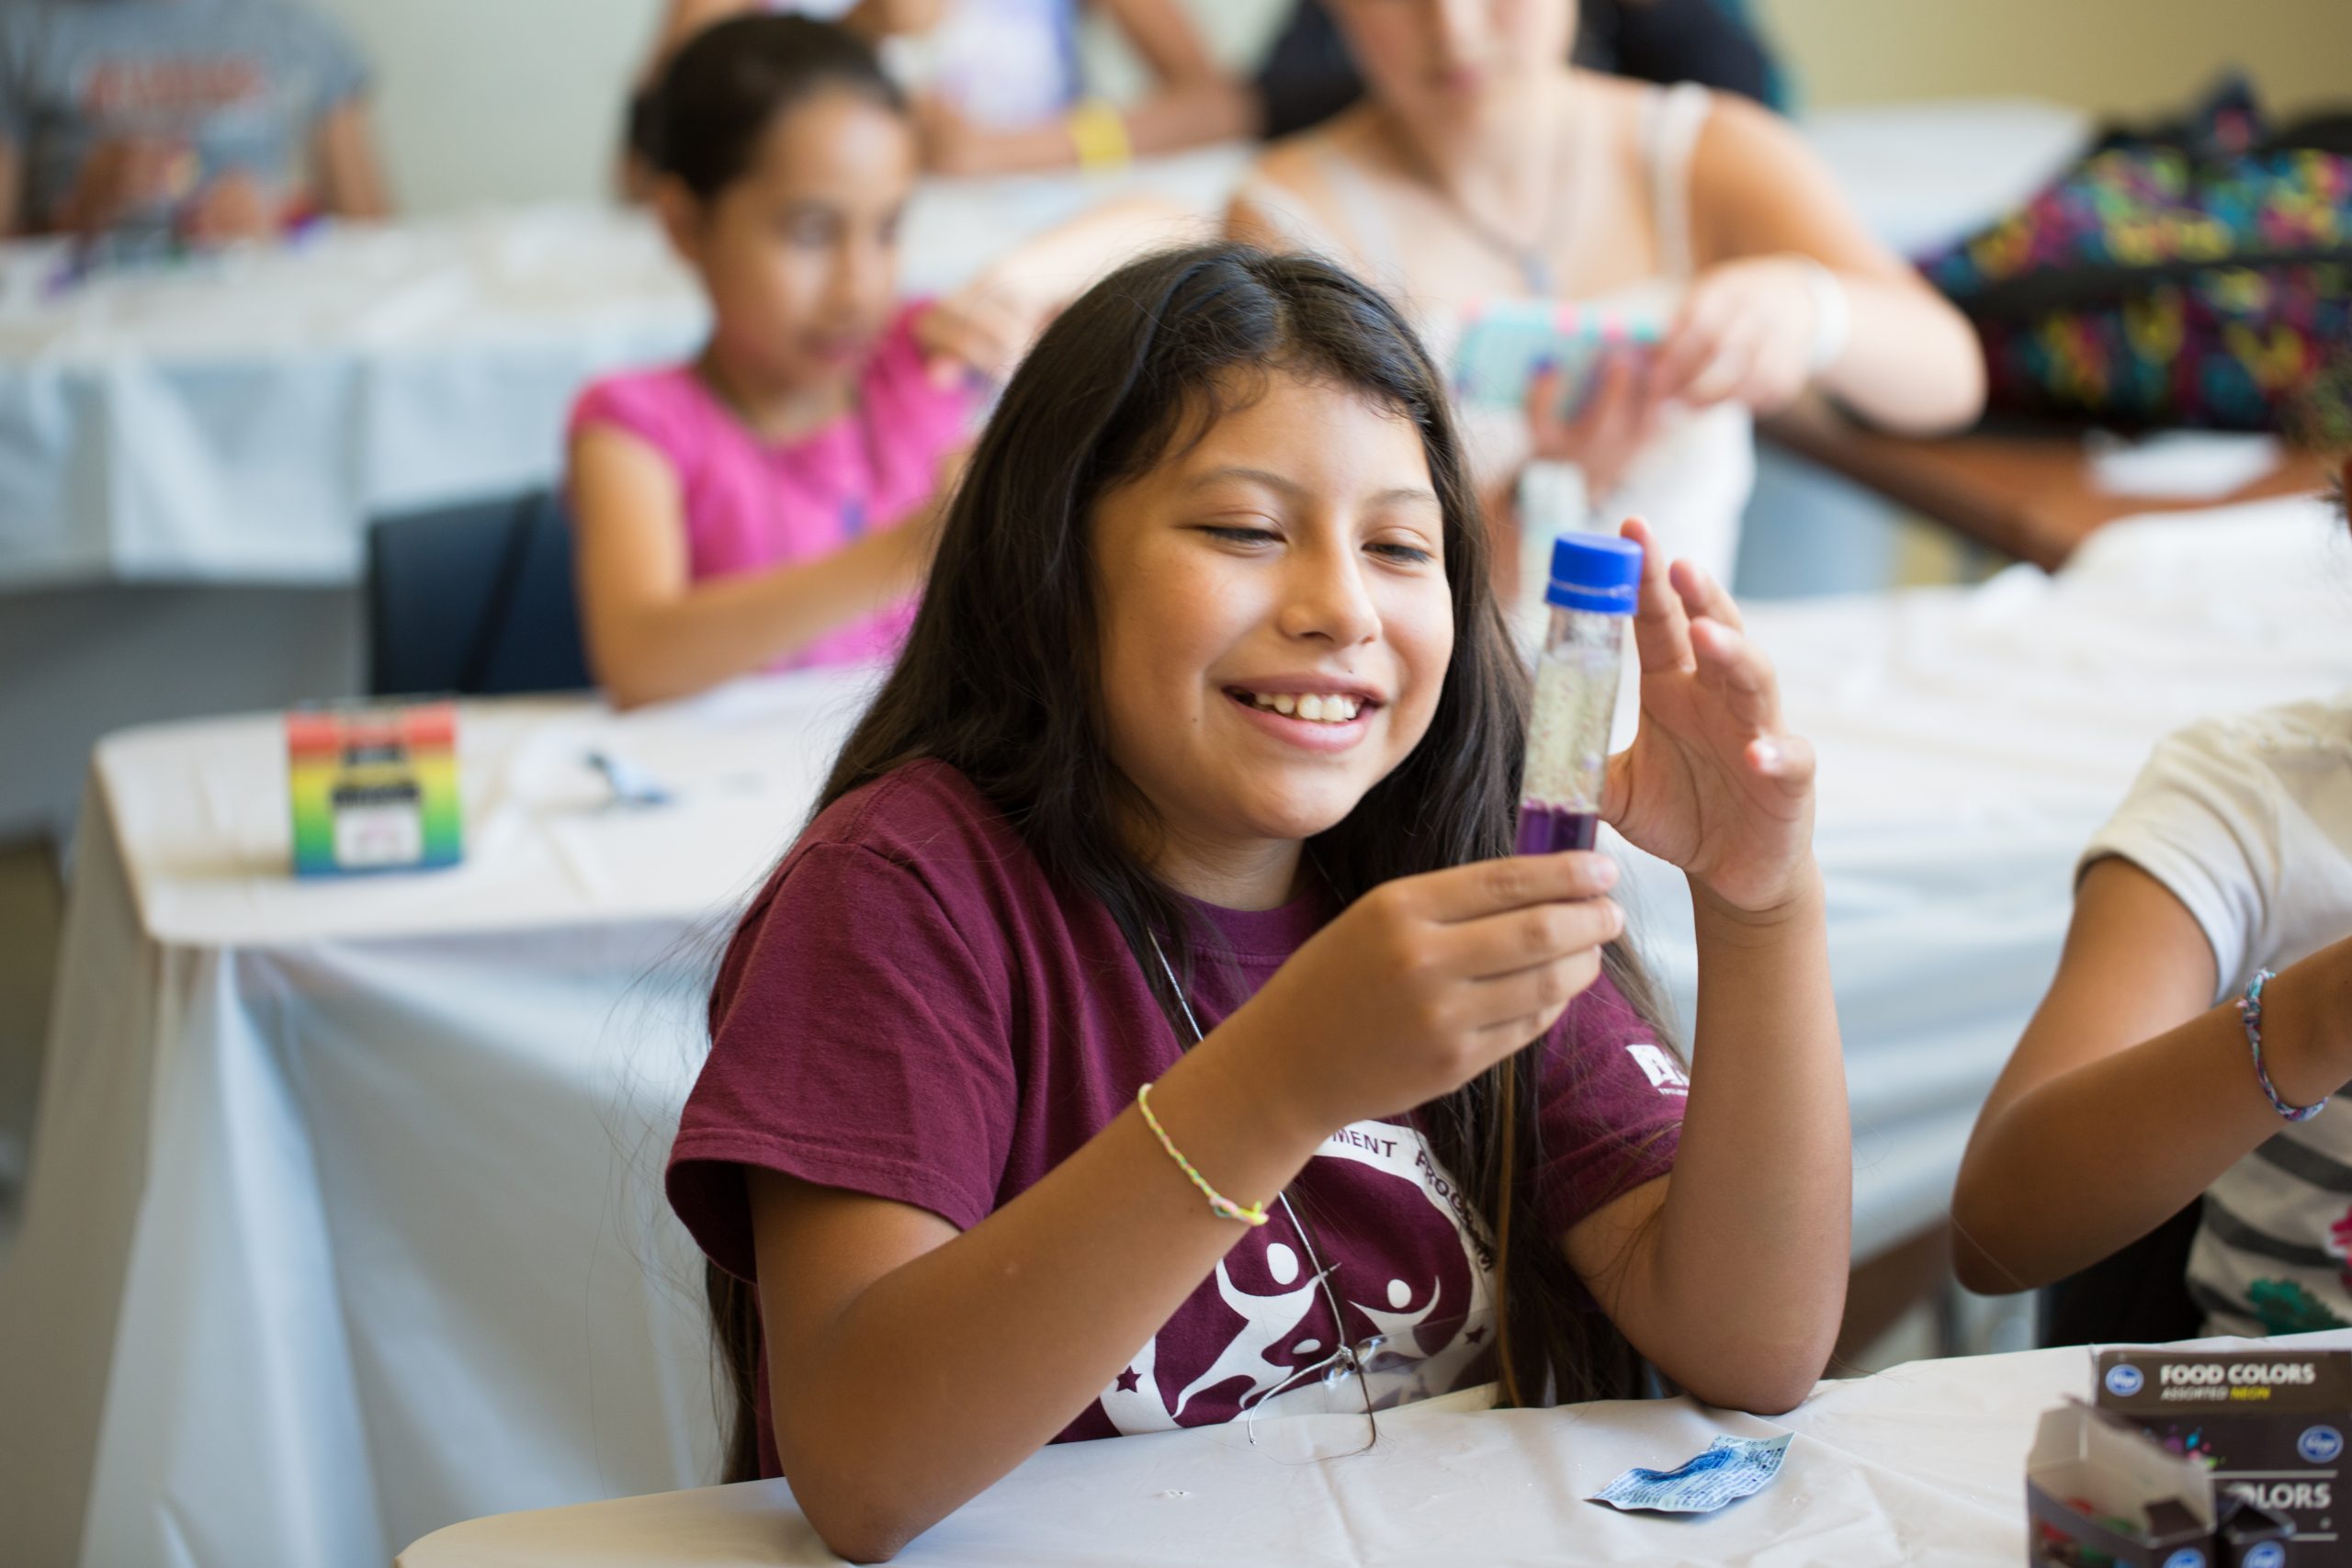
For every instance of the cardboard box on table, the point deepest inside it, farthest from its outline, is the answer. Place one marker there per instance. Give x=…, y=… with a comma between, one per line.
x=374, y=789
x=2170, y=1513
x=2268, y=1425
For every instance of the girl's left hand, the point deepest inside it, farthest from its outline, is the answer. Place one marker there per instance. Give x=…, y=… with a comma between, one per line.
x=1745, y=334
x=234, y=206
x=1712, y=782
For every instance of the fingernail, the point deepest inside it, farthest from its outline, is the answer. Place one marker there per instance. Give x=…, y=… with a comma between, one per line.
x=1604, y=872
x=1768, y=755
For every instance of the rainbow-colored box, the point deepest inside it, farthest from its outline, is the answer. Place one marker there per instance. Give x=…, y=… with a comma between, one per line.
x=374, y=789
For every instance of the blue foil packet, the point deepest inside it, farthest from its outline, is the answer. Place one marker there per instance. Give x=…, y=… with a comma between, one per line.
x=1732, y=1468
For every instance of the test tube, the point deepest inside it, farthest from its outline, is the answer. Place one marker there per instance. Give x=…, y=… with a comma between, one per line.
x=1596, y=580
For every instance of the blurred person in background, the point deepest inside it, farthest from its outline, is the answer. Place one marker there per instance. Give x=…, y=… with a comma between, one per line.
x=1308, y=75
x=996, y=85
x=1481, y=167
x=770, y=504
x=2166, y=1124
x=191, y=120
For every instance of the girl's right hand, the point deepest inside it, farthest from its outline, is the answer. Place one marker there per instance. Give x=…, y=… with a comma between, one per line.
x=1619, y=417
x=121, y=176
x=1427, y=981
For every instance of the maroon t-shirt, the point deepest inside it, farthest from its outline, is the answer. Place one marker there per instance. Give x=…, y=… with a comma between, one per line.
x=911, y=1010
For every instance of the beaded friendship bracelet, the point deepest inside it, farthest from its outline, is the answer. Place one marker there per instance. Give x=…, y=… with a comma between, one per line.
x=1223, y=1207
x=2250, y=1014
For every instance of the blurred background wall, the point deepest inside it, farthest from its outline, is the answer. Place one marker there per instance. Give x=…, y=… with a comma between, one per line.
x=485, y=100
x=2122, y=57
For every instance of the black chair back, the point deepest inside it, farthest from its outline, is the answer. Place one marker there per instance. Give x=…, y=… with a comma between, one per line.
x=475, y=601
x=2138, y=1295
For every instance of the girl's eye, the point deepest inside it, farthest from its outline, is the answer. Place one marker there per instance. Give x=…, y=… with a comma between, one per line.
x=811, y=229
x=1407, y=554
x=1235, y=535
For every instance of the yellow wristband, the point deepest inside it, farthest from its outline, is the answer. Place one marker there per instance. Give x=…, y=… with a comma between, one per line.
x=1100, y=134
x=1223, y=1207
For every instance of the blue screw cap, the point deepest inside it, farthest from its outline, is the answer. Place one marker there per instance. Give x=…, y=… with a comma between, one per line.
x=1599, y=572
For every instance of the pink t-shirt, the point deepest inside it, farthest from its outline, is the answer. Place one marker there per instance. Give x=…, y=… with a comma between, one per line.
x=750, y=505
x=911, y=1010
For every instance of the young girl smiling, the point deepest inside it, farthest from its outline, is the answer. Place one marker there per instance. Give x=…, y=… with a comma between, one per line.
x=1087, y=931
x=770, y=504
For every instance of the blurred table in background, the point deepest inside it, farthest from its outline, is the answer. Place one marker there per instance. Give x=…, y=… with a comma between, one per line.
x=2032, y=496
x=343, y=1225
x=240, y=418
x=344, y=1221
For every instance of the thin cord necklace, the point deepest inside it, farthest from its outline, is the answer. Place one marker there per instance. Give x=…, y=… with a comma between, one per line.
x=1321, y=1275
x=1534, y=268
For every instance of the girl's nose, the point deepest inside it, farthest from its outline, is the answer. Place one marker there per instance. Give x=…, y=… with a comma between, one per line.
x=1327, y=601
x=1455, y=26
x=864, y=278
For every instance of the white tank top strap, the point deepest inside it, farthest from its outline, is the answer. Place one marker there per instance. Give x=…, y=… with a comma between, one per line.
x=1672, y=120
x=1377, y=245
x=1299, y=228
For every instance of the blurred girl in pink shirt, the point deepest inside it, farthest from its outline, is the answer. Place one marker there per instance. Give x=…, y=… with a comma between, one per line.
x=771, y=505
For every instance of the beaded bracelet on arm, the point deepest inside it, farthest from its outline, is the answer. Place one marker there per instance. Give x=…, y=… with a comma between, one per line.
x=2250, y=1014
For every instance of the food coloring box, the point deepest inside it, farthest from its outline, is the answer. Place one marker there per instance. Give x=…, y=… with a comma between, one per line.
x=373, y=789
x=2100, y=1494
x=2269, y=1424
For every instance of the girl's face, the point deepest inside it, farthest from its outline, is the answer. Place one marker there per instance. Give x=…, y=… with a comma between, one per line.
x=1447, y=63
x=1293, y=559
x=800, y=254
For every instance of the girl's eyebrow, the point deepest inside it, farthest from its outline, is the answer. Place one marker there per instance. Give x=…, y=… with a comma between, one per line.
x=1291, y=488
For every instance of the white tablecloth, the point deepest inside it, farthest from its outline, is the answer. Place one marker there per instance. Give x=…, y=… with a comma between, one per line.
x=1923, y=1464
x=341, y=1223
x=242, y=418
x=345, y=1223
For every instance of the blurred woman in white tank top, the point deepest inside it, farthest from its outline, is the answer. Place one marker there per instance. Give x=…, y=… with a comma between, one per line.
x=1480, y=168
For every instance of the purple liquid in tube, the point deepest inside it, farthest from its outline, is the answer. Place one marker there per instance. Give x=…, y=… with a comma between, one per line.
x=1548, y=830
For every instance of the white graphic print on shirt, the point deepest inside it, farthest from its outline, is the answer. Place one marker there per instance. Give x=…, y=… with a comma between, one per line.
x=1407, y=1260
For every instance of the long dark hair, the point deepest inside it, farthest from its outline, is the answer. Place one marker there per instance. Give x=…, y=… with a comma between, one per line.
x=1000, y=679
x=701, y=120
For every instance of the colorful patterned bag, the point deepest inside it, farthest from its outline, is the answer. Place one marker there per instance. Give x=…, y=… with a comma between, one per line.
x=2201, y=275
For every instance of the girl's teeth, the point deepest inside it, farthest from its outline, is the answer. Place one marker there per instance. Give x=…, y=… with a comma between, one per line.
x=1334, y=709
